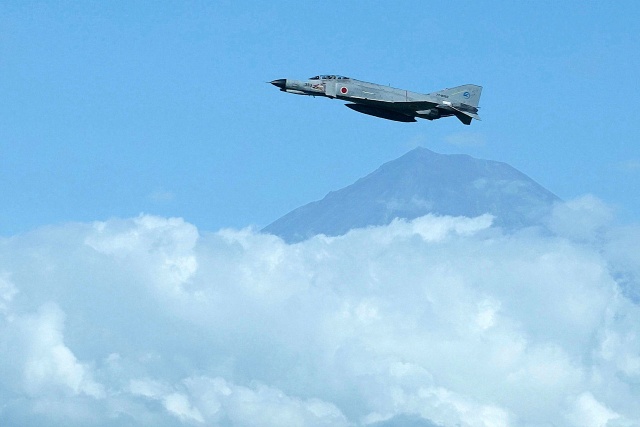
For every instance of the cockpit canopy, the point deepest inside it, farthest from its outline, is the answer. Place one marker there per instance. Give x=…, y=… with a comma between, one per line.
x=329, y=77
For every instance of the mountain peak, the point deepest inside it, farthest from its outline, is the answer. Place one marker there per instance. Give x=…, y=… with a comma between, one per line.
x=418, y=183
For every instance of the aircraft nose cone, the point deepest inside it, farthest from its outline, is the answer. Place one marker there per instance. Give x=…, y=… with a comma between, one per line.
x=281, y=83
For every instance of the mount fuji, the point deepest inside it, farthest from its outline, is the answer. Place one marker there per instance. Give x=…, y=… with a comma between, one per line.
x=416, y=184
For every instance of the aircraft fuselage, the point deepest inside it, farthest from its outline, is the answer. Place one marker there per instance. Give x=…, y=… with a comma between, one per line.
x=388, y=102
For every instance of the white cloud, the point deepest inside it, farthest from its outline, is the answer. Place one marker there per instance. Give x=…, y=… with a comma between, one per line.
x=149, y=321
x=219, y=399
x=588, y=412
x=48, y=362
x=179, y=405
x=7, y=293
x=37, y=363
x=261, y=405
x=584, y=218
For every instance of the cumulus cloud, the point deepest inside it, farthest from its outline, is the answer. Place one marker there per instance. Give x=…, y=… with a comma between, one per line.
x=589, y=412
x=439, y=321
x=585, y=218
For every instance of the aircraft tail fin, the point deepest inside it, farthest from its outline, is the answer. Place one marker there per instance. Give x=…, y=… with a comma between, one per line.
x=465, y=94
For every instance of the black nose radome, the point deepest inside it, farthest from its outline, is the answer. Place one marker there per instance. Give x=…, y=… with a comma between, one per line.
x=281, y=83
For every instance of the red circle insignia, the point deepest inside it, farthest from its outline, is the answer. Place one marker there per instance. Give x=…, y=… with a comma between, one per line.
x=344, y=90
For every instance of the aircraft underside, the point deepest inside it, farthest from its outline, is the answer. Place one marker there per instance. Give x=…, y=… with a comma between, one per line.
x=381, y=112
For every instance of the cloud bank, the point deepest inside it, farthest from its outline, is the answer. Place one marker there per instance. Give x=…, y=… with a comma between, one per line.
x=439, y=321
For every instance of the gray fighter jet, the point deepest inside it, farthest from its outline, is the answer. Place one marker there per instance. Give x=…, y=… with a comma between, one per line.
x=387, y=102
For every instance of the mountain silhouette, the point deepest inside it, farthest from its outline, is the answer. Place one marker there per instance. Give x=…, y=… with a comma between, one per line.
x=418, y=183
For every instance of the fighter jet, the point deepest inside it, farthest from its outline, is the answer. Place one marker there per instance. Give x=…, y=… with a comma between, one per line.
x=387, y=102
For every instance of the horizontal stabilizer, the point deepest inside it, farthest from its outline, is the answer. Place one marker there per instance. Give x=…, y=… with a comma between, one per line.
x=463, y=115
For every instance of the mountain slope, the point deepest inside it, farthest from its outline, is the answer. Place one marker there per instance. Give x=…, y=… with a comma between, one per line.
x=418, y=183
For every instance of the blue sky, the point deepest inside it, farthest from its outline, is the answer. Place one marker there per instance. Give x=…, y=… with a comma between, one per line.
x=113, y=109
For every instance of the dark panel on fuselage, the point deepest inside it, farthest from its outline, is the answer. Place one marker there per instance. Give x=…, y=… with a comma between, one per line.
x=381, y=112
